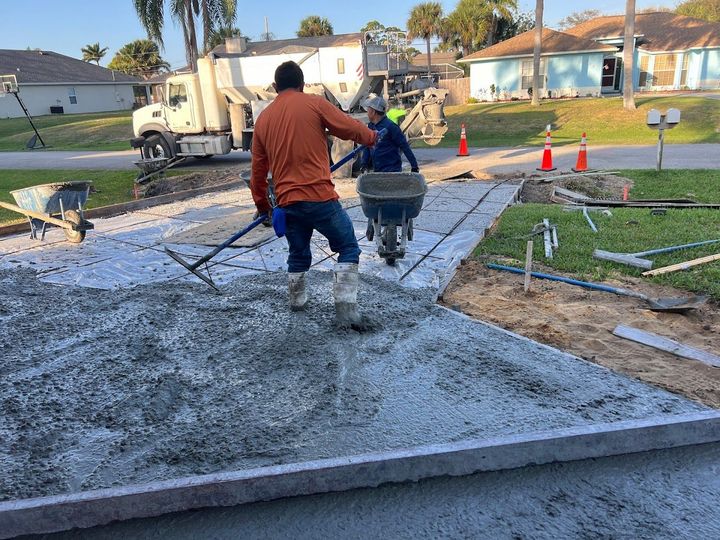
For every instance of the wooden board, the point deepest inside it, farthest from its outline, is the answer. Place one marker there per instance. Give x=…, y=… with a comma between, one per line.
x=667, y=345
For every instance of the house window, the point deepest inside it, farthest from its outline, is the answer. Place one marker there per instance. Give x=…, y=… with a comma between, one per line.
x=664, y=70
x=645, y=76
x=683, y=73
x=72, y=95
x=343, y=87
x=526, y=74
x=341, y=66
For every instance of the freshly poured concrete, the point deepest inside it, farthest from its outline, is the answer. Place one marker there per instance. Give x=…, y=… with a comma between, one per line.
x=104, y=388
x=662, y=494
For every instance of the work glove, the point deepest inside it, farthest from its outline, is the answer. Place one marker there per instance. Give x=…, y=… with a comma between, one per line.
x=268, y=221
x=415, y=169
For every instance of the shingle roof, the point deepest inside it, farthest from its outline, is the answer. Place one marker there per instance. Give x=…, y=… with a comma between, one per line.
x=51, y=67
x=305, y=44
x=552, y=42
x=662, y=31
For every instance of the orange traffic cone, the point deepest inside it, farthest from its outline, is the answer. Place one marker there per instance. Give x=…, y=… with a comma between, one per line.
x=463, y=150
x=547, y=164
x=581, y=164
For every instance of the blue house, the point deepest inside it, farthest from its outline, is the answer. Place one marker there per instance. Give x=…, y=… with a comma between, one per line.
x=671, y=52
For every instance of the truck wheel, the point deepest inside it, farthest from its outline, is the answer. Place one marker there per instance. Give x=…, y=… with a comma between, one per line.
x=74, y=237
x=156, y=147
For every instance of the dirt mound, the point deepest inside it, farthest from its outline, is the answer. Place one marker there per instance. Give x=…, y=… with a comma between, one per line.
x=597, y=186
x=173, y=184
x=580, y=321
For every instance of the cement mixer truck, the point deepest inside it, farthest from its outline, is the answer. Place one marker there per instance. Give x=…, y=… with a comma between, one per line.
x=213, y=110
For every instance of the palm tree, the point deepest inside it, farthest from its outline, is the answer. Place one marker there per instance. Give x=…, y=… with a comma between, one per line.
x=214, y=13
x=315, y=25
x=93, y=53
x=140, y=58
x=425, y=22
x=218, y=37
x=501, y=9
x=467, y=26
x=536, y=52
x=629, y=56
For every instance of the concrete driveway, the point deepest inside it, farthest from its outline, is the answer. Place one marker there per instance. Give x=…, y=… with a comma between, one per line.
x=492, y=160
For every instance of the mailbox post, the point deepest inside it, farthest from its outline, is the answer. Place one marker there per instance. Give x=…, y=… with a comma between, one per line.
x=661, y=122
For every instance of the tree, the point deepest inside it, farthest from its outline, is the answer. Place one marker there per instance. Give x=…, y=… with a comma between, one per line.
x=373, y=26
x=214, y=13
x=518, y=24
x=501, y=9
x=218, y=37
x=467, y=27
x=700, y=9
x=537, y=50
x=93, y=53
x=629, y=56
x=140, y=58
x=314, y=25
x=578, y=17
x=425, y=22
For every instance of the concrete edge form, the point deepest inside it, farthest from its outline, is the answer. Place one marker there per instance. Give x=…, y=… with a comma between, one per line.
x=99, y=507
x=132, y=206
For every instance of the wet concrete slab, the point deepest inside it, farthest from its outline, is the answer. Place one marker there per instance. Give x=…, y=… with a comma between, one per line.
x=170, y=380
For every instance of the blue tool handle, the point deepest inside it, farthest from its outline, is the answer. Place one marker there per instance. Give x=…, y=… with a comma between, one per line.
x=673, y=248
x=355, y=152
x=230, y=240
x=585, y=284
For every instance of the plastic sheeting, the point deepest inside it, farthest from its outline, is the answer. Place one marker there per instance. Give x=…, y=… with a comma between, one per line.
x=128, y=250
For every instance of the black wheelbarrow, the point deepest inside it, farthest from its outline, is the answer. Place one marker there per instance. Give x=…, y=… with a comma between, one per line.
x=391, y=201
x=59, y=204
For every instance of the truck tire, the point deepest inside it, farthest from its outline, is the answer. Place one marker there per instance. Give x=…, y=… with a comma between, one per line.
x=156, y=146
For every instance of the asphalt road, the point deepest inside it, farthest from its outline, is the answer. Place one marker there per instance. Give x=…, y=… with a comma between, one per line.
x=493, y=160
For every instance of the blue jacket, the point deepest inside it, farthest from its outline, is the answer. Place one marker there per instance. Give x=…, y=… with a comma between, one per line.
x=385, y=155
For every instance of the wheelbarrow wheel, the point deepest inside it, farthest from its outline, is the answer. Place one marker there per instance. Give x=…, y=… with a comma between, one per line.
x=390, y=242
x=72, y=236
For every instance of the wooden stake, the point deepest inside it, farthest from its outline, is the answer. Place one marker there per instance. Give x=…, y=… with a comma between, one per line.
x=528, y=264
x=682, y=266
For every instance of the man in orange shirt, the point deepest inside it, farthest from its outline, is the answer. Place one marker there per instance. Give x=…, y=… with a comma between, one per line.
x=289, y=140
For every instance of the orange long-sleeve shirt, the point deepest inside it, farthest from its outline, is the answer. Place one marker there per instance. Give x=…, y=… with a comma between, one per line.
x=289, y=140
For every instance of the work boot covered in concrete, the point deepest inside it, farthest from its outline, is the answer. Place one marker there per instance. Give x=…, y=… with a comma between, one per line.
x=345, y=288
x=296, y=290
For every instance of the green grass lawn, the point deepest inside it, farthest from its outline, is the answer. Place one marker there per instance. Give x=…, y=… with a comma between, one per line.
x=98, y=131
x=627, y=230
x=604, y=120
x=112, y=186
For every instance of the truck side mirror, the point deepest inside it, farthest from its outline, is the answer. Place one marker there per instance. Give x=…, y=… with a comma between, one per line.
x=672, y=116
x=653, y=117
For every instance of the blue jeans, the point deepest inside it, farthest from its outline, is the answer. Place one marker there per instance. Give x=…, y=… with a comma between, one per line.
x=329, y=219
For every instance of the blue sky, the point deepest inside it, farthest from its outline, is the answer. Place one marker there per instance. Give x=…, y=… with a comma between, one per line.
x=64, y=26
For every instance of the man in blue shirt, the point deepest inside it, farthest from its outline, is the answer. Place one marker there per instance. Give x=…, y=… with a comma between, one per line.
x=385, y=155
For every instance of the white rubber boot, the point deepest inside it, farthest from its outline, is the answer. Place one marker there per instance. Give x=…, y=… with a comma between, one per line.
x=345, y=288
x=296, y=289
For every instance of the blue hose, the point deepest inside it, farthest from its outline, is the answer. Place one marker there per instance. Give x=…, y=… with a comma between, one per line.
x=585, y=284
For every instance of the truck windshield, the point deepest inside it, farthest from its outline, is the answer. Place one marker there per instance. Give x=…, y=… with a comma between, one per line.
x=177, y=93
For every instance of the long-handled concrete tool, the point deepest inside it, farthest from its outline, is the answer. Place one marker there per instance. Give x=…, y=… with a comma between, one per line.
x=636, y=260
x=676, y=305
x=278, y=216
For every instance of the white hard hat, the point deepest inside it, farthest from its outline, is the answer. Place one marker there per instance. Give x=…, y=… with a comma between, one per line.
x=375, y=102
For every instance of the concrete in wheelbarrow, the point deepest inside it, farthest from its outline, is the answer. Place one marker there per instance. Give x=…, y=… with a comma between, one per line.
x=162, y=382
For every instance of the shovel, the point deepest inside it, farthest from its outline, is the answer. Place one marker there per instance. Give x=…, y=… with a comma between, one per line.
x=278, y=220
x=672, y=305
